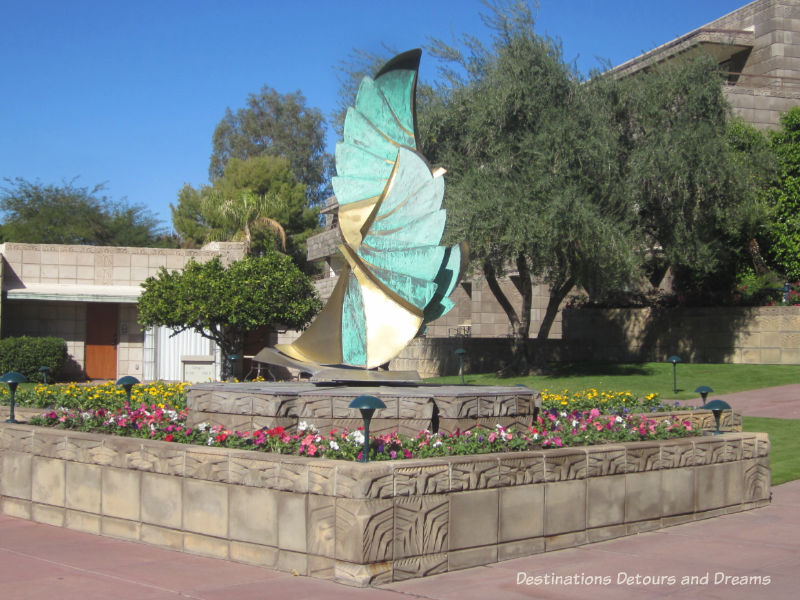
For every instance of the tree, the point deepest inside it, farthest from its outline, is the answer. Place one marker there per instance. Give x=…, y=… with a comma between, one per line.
x=277, y=125
x=224, y=304
x=697, y=199
x=534, y=184
x=783, y=197
x=37, y=213
x=252, y=200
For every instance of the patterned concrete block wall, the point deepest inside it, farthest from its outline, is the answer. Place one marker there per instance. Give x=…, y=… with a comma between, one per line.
x=367, y=524
x=751, y=335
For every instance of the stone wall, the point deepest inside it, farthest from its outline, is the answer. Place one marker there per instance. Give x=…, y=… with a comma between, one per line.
x=752, y=335
x=368, y=524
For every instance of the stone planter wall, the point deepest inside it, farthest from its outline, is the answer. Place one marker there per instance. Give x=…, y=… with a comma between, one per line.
x=365, y=524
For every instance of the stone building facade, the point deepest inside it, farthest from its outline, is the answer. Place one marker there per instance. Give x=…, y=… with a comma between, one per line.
x=87, y=295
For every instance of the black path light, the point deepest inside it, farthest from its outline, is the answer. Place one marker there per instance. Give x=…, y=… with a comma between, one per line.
x=704, y=391
x=460, y=353
x=127, y=383
x=44, y=371
x=674, y=360
x=367, y=405
x=716, y=407
x=13, y=379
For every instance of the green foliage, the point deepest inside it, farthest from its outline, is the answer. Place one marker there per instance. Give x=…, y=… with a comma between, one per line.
x=36, y=213
x=223, y=304
x=245, y=202
x=276, y=125
x=784, y=454
x=695, y=180
x=784, y=197
x=26, y=354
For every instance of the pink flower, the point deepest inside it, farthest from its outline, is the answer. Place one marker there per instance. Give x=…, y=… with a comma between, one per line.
x=594, y=413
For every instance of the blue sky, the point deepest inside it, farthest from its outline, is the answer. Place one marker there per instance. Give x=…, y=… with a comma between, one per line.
x=128, y=93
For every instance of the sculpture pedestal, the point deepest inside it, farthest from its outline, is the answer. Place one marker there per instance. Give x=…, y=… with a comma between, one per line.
x=409, y=408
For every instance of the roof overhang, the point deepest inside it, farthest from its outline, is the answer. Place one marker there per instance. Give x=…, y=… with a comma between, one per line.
x=124, y=294
x=722, y=44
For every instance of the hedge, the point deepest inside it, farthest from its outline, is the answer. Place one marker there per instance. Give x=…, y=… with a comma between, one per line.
x=28, y=354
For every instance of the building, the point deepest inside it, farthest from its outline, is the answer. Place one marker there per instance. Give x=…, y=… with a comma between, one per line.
x=87, y=295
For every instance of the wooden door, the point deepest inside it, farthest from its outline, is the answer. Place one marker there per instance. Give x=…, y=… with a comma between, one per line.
x=101, y=341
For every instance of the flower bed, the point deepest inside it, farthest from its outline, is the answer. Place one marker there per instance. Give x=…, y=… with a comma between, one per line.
x=608, y=402
x=106, y=396
x=553, y=429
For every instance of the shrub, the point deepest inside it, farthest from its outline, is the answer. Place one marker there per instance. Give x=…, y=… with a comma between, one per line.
x=27, y=354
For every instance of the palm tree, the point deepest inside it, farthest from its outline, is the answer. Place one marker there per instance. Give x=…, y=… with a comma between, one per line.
x=239, y=217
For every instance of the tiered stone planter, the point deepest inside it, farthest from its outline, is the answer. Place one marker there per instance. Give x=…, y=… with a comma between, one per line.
x=366, y=524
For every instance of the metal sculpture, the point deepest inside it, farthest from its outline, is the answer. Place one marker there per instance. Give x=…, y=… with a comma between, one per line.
x=397, y=277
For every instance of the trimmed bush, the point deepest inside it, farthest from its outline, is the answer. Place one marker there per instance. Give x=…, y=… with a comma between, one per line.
x=27, y=354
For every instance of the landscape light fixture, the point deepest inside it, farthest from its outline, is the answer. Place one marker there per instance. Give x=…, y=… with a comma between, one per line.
x=704, y=391
x=367, y=405
x=13, y=379
x=232, y=360
x=460, y=353
x=674, y=360
x=716, y=407
x=44, y=371
x=127, y=383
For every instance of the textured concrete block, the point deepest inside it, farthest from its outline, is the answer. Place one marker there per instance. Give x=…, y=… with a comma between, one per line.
x=121, y=493
x=364, y=530
x=605, y=501
x=564, y=507
x=362, y=575
x=473, y=519
x=16, y=475
x=162, y=500
x=321, y=527
x=254, y=515
x=420, y=525
x=205, y=507
x=83, y=487
x=418, y=566
x=48, y=481
x=643, y=498
x=521, y=513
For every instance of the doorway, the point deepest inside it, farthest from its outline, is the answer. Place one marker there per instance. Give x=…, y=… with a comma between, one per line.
x=101, y=341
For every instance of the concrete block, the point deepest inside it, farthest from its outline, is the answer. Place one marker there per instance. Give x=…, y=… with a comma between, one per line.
x=83, y=487
x=16, y=469
x=204, y=545
x=81, y=521
x=14, y=507
x=609, y=532
x=677, y=491
x=162, y=536
x=295, y=562
x=254, y=554
x=254, y=515
x=565, y=507
x=120, y=528
x=520, y=548
x=121, y=492
x=521, y=513
x=50, y=515
x=205, y=508
x=566, y=540
x=643, y=496
x=605, y=501
x=48, y=482
x=364, y=530
x=473, y=519
x=472, y=557
x=162, y=500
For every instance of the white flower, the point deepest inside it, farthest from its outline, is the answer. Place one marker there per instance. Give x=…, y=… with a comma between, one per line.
x=85, y=415
x=575, y=422
x=563, y=413
x=302, y=426
x=619, y=419
x=536, y=436
x=202, y=427
x=210, y=440
x=356, y=437
x=333, y=445
x=172, y=415
x=437, y=443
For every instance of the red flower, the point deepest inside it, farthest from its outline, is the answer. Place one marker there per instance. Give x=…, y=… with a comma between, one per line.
x=169, y=438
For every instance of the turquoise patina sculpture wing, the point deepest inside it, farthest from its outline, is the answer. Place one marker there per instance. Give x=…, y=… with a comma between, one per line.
x=397, y=277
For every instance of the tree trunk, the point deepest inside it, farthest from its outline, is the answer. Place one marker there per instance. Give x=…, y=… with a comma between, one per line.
x=557, y=295
x=520, y=323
